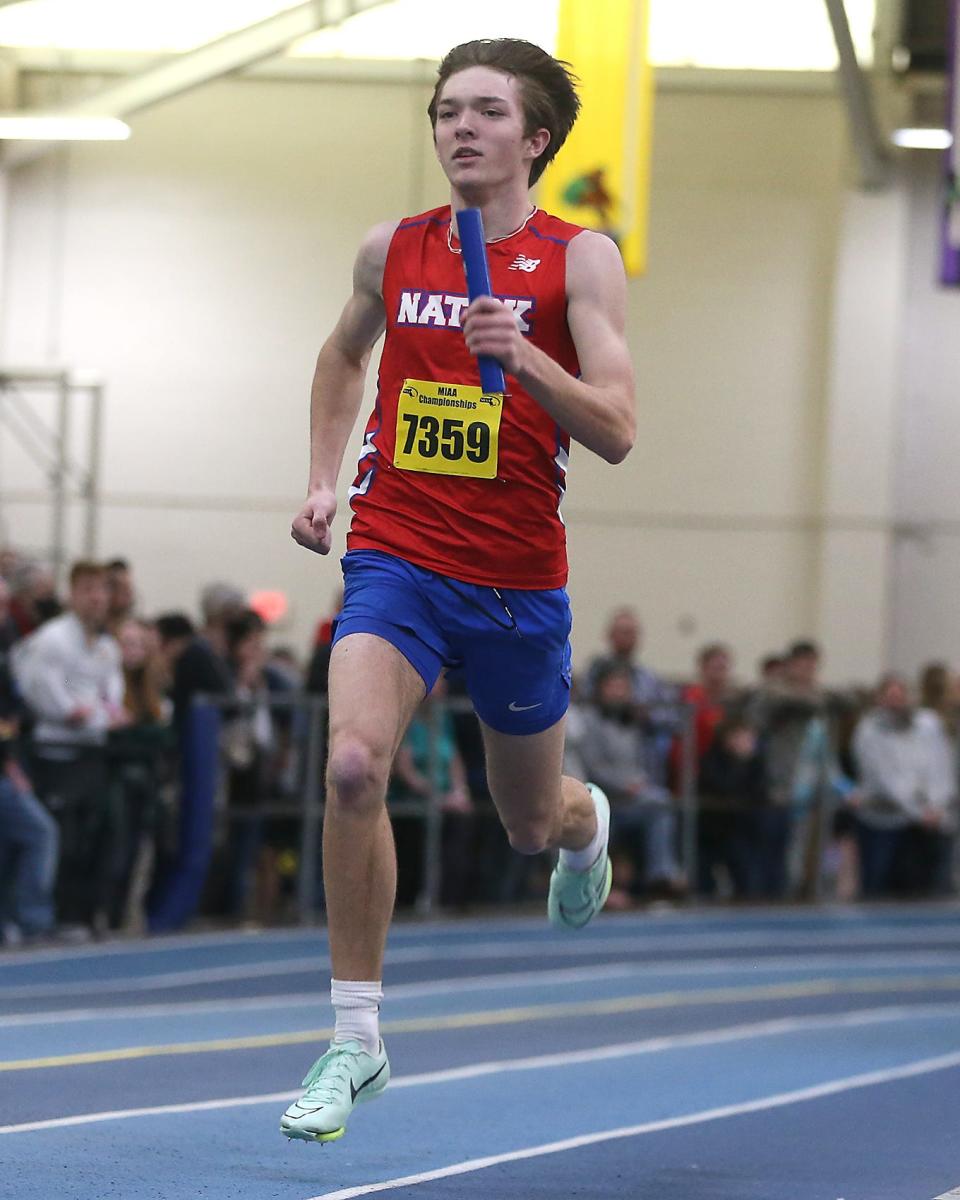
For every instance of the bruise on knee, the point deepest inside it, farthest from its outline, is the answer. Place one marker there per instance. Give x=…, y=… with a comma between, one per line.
x=356, y=773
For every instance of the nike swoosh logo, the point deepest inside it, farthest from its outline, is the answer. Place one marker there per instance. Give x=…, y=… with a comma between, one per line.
x=515, y=707
x=582, y=908
x=355, y=1091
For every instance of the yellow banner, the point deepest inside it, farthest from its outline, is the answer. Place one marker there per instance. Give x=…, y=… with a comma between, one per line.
x=601, y=177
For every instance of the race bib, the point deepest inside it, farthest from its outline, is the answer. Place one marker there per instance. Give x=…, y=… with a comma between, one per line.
x=447, y=429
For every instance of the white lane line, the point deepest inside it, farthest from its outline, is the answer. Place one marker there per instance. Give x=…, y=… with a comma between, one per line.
x=504, y=951
x=954, y=1195
x=707, y=1037
x=498, y=981
x=835, y=919
x=765, y=1103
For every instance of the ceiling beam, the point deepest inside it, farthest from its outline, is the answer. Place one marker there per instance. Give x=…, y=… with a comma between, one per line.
x=868, y=142
x=197, y=67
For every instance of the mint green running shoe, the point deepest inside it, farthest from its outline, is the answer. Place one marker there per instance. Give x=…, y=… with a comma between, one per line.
x=343, y=1077
x=577, y=896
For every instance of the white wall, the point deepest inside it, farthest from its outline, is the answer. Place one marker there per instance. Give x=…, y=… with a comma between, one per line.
x=927, y=570
x=203, y=261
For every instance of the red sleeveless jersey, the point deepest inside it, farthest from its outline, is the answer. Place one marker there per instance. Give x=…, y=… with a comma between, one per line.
x=449, y=479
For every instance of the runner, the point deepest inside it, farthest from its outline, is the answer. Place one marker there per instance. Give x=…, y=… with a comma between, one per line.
x=456, y=555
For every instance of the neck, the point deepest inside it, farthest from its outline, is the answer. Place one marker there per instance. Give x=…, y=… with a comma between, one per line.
x=91, y=629
x=503, y=212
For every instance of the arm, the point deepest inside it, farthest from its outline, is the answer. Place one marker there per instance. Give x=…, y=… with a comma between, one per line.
x=597, y=409
x=40, y=675
x=337, y=390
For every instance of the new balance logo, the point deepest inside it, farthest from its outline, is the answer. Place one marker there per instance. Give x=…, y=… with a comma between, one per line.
x=522, y=263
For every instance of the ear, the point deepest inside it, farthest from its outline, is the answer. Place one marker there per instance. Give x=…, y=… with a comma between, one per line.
x=538, y=142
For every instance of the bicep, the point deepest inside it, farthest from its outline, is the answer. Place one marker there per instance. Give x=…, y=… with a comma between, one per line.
x=596, y=311
x=363, y=318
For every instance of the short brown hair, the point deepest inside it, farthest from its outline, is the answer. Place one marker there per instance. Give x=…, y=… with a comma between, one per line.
x=85, y=568
x=547, y=87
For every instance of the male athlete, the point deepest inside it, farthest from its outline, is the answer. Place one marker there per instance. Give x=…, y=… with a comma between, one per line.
x=456, y=553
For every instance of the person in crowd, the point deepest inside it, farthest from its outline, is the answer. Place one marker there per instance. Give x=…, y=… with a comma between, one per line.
x=318, y=669
x=429, y=766
x=906, y=806
x=122, y=594
x=70, y=674
x=655, y=702
x=9, y=633
x=29, y=839
x=708, y=700
x=257, y=747
x=793, y=717
x=616, y=753
x=201, y=667
x=939, y=691
x=740, y=830
x=284, y=663
x=139, y=755
x=772, y=669
x=9, y=561
x=173, y=633
x=34, y=599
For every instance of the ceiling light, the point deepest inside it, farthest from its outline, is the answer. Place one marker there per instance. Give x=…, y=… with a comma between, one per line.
x=52, y=128
x=922, y=139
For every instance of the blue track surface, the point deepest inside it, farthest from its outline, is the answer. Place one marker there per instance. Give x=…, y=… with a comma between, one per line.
x=743, y=1056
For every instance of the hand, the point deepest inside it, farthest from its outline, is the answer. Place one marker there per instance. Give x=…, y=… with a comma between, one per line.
x=311, y=525
x=931, y=818
x=491, y=328
x=80, y=715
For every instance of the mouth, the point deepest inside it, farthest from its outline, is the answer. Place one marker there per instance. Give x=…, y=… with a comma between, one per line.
x=466, y=152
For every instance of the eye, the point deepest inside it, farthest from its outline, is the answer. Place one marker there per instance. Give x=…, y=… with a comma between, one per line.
x=442, y=116
x=492, y=112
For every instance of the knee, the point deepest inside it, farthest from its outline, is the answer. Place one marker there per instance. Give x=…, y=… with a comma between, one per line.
x=357, y=772
x=530, y=837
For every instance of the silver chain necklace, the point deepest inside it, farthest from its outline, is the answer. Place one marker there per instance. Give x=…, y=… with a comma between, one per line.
x=489, y=241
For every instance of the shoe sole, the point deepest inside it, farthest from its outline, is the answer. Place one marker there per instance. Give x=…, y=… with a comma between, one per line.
x=301, y=1135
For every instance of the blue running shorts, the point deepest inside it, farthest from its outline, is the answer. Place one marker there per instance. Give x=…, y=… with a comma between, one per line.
x=512, y=646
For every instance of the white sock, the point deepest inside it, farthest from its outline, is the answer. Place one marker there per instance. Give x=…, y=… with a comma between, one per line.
x=583, y=860
x=357, y=1005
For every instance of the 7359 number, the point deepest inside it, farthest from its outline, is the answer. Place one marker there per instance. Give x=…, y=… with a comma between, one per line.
x=451, y=439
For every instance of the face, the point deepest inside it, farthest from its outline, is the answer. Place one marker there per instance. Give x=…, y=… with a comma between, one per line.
x=252, y=650
x=715, y=669
x=894, y=696
x=742, y=742
x=121, y=591
x=802, y=669
x=479, y=132
x=134, y=642
x=624, y=634
x=89, y=599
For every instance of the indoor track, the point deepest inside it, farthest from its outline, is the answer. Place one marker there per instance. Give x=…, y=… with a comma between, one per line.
x=753, y=1055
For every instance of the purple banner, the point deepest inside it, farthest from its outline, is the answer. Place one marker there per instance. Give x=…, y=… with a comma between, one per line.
x=950, y=263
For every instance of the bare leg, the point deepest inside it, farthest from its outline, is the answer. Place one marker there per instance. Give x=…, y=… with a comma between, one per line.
x=374, y=692
x=539, y=807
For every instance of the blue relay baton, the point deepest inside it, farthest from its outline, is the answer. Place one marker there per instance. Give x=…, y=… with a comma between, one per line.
x=474, y=252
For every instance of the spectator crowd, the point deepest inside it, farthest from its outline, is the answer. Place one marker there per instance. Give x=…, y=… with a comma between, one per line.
x=769, y=790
